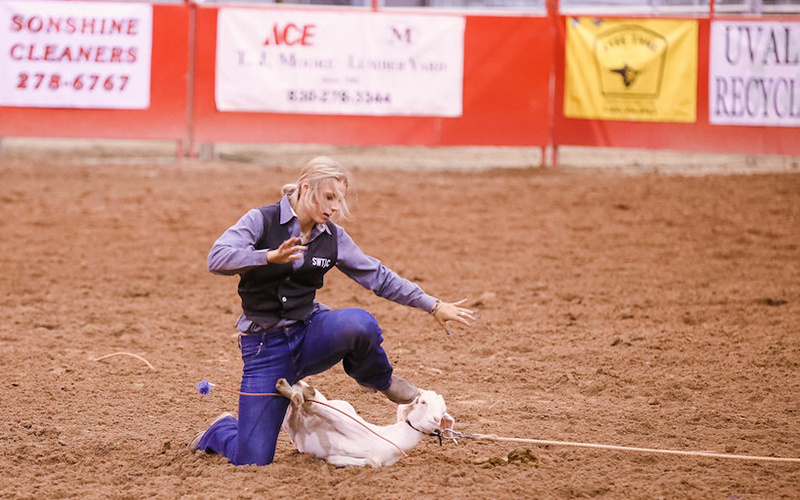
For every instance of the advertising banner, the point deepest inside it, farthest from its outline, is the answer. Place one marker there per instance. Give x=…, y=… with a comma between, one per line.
x=631, y=69
x=754, y=73
x=75, y=54
x=339, y=63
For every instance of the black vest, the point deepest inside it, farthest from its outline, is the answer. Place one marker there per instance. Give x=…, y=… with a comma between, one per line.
x=278, y=291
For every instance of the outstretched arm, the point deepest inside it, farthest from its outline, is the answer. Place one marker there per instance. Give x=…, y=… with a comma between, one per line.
x=371, y=274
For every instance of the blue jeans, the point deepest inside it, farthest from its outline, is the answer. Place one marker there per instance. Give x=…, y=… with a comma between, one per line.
x=350, y=335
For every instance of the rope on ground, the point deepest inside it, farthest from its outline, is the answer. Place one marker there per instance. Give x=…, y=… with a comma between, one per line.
x=491, y=437
x=125, y=354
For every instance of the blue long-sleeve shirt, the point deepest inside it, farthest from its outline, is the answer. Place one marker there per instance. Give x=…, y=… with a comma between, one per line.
x=234, y=253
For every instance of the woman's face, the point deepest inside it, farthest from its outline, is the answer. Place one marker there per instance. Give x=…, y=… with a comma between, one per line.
x=327, y=202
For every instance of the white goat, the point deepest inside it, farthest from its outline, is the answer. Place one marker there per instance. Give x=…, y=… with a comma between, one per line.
x=348, y=439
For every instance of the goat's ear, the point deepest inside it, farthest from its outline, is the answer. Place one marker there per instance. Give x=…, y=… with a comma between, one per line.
x=402, y=412
x=448, y=422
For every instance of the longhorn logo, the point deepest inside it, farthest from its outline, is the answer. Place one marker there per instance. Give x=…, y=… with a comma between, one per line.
x=630, y=61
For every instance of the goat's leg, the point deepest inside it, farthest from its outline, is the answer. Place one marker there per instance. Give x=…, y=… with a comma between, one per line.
x=343, y=461
x=284, y=388
x=292, y=393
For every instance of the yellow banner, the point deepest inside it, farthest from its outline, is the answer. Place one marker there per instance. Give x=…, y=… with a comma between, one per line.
x=631, y=69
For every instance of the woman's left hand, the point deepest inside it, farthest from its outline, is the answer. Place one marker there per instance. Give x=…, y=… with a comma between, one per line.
x=452, y=311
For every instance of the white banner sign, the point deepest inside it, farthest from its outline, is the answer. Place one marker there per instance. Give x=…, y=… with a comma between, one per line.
x=339, y=63
x=754, y=73
x=56, y=54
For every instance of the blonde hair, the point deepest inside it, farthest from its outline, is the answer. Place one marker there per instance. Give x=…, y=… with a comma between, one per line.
x=316, y=172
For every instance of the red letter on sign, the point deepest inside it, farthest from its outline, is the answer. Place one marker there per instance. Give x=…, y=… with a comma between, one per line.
x=307, y=34
x=274, y=37
x=16, y=22
x=291, y=34
x=292, y=27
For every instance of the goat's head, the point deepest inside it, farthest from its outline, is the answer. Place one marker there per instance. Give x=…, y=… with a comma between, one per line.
x=427, y=413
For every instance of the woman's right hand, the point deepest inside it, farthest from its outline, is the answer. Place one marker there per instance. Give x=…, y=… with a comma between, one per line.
x=287, y=252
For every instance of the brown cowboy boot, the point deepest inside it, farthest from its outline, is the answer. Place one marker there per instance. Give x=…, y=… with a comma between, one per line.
x=400, y=392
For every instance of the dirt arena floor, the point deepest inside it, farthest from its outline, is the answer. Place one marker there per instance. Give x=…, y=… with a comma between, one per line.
x=647, y=309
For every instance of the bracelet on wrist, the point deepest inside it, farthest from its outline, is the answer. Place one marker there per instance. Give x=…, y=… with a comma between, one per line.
x=436, y=306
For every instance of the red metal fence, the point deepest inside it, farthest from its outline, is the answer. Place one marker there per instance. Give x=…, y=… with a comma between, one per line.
x=513, y=95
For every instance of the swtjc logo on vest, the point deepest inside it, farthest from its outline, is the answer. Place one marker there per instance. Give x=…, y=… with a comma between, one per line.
x=320, y=262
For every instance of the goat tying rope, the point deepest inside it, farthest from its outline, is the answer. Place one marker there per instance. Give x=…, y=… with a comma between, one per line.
x=204, y=387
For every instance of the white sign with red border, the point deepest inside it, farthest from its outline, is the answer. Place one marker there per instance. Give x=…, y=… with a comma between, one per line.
x=56, y=54
x=339, y=63
x=754, y=73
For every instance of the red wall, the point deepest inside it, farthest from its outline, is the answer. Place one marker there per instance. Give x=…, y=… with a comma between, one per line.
x=508, y=64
